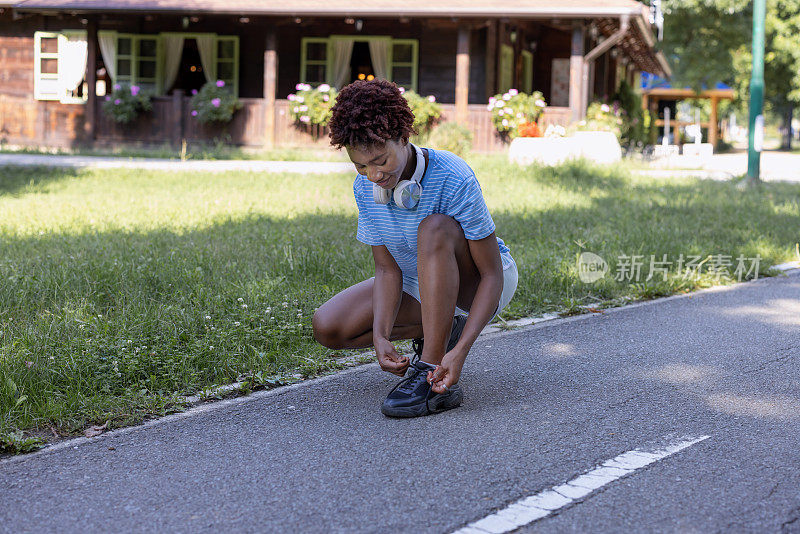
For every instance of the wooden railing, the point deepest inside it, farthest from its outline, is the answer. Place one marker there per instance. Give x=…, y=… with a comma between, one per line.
x=25, y=121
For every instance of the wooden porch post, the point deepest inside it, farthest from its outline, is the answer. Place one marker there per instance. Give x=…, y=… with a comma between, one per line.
x=90, y=122
x=270, y=87
x=576, y=71
x=712, y=122
x=462, y=76
x=491, y=58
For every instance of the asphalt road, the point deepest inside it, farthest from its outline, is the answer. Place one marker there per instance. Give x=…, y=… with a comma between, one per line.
x=542, y=406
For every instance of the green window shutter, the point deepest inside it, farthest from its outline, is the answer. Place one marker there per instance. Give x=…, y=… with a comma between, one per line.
x=45, y=82
x=527, y=72
x=227, y=61
x=506, y=68
x=315, y=56
x=405, y=62
x=147, y=71
x=125, y=58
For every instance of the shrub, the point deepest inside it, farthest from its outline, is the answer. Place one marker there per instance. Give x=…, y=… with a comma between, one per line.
x=601, y=117
x=312, y=105
x=453, y=137
x=633, y=118
x=513, y=108
x=214, y=103
x=125, y=103
x=427, y=112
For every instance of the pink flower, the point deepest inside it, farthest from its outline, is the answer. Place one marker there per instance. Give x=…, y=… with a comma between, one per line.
x=220, y=83
x=28, y=364
x=116, y=87
x=108, y=98
x=513, y=92
x=194, y=92
x=305, y=118
x=431, y=98
x=117, y=102
x=402, y=90
x=215, y=102
x=298, y=87
x=134, y=90
x=194, y=113
x=291, y=97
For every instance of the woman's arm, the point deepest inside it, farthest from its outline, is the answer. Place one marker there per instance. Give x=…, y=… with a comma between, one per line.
x=387, y=292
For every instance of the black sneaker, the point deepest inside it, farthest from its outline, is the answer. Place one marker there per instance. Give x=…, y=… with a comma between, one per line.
x=455, y=334
x=412, y=396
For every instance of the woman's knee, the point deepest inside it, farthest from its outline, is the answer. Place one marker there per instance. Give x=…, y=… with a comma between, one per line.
x=438, y=229
x=327, y=330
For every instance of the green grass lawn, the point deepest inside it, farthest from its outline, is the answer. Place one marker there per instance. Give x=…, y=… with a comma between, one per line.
x=195, y=151
x=121, y=290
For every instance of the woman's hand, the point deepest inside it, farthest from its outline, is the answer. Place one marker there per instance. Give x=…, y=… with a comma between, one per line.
x=389, y=360
x=447, y=373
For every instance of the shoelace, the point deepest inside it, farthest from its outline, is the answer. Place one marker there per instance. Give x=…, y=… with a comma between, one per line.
x=413, y=381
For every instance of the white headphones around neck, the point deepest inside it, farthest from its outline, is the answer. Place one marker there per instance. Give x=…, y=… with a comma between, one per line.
x=407, y=192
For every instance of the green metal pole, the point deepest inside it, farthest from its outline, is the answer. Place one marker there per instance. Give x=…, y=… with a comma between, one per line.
x=756, y=131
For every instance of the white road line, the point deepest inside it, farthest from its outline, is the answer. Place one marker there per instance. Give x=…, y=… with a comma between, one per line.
x=537, y=506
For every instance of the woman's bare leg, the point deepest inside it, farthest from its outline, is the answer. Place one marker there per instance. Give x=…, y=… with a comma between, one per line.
x=345, y=321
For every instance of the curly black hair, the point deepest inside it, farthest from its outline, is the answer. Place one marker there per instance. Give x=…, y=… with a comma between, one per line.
x=370, y=113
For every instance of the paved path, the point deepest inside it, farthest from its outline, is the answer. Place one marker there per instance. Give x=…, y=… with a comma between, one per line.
x=97, y=162
x=542, y=406
x=775, y=166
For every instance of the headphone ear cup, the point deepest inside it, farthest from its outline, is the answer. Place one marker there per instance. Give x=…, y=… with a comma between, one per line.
x=380, y=195
x=407, y=193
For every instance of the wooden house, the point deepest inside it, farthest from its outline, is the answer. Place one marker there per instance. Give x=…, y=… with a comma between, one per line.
x=460, y=51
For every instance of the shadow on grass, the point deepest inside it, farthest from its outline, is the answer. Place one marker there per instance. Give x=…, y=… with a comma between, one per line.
x=109, y=319
x=15, y=179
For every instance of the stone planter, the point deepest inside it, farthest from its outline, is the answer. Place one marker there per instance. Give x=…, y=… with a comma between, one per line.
x=599, y=147
x=541, y=150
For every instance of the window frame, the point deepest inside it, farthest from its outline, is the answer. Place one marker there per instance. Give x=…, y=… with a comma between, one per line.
x=305, y=62
x=414, y=63
x=328, y=41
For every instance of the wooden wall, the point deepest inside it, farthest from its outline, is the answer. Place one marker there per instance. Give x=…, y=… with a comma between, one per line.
x=28, y=122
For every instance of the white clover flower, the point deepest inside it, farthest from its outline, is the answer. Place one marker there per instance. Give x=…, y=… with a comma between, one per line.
x=208, y=317
x=285, y=304
x=211, y=347
x=240, y=299
x=269, y=309
x=299, y=315
x=244, y=306
x=236, y=323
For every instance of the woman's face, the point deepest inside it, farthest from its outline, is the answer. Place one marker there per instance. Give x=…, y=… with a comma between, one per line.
x=381, y=164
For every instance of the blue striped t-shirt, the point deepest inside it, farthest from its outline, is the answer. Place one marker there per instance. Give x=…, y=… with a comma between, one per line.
x=449, y=186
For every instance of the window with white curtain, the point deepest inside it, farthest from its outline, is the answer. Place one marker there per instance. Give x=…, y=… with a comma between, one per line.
x=60, y=66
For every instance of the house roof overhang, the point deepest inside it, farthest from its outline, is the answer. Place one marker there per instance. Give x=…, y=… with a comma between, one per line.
x=639, y=42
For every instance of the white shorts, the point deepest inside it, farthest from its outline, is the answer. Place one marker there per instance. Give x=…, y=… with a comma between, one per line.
x=510, y=278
